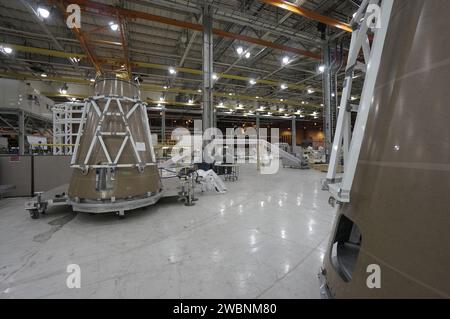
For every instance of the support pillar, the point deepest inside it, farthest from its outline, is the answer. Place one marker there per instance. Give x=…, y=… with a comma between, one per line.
x=294, y=134
x=21, y=135
x=258, y=156
x=327, y=91
x=163, y=126
x=208, y=63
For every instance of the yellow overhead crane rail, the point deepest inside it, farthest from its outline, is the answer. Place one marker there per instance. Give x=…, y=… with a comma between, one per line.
x=155, y=88
x=118, y=62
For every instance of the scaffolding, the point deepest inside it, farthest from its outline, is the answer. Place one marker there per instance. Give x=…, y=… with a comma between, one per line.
x=67, y=118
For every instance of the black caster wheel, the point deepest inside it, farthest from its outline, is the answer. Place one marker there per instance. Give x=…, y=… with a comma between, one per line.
x=34, y=214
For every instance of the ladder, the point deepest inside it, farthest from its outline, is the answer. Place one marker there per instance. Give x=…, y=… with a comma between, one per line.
x=369, y=16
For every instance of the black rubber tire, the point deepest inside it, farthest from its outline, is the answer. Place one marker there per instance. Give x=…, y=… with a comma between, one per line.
x=34, y=214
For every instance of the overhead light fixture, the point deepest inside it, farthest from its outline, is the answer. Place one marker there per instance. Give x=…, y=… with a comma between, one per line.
x=215, y=77
x=252, y=82
x=162, y=99
x=257, y=97
x=230, y=94
x=92, y=80
x=63, y=89
x=310, y=91
x=44, y=75
x=283, y=86
x=240, y=50
x=114, y=26
x=353, y=98
x=321, y=68
x=333, y=95
x=281, y=110
x=286, y=60
x=322, y=105
x=248, y=55
x=74, y=59
x=43, y=13
x=6, y=50
x=303, y=102
x=240, y=106
x=172, y=71
x=165, y=87
x=281, y=100
x=191, y=101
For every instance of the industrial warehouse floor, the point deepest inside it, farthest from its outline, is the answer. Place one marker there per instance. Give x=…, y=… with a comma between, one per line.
x=265, y=238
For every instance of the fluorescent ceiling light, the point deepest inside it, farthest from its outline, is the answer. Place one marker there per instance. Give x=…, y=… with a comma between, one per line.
x=43, y=13
x=114, y=26
x=321, y=68
x=7, y=50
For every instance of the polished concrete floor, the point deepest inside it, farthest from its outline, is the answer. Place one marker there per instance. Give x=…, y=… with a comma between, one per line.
x=265, y=238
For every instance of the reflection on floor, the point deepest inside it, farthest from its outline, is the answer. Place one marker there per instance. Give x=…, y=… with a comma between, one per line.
x=266, y=238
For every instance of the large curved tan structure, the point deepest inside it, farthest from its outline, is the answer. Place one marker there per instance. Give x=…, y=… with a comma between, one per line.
x=114, y=163
x=399, y=214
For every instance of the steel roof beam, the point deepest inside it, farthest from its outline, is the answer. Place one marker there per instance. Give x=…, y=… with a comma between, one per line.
x=103, y=9
x=309, y=14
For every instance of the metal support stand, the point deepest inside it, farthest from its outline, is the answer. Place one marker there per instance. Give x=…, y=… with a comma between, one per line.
x=340, y=188
x=187, y=193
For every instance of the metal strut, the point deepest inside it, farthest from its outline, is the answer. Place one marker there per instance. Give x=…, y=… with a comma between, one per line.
x=344, y=140
x=112, y=161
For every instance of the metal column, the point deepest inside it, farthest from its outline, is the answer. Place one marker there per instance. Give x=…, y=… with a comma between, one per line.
x=258, y=157
x=163, y=126
x=327, y=91
x=208, y=62
x=21, y=136
x=294, y=134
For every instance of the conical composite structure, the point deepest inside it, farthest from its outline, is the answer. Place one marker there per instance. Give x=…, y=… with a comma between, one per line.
x=114, y=162
x=393, y=239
